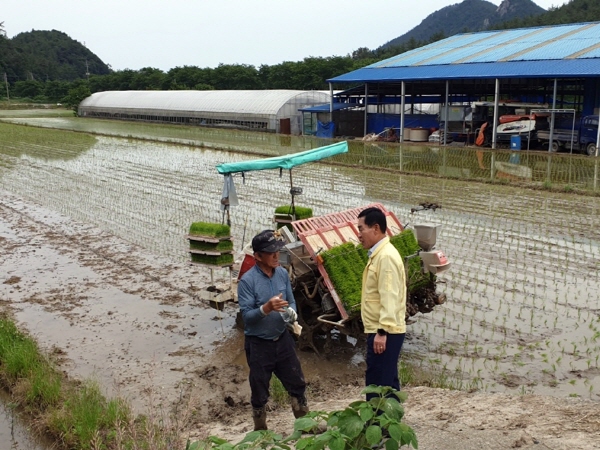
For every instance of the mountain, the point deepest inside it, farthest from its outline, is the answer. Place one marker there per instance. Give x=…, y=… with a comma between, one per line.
x=47, y=55
x=575, y=11
x=470, y=15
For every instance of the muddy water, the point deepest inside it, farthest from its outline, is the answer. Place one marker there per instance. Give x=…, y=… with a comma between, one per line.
x=522, y=312
x=14, y=435
x=94, y=304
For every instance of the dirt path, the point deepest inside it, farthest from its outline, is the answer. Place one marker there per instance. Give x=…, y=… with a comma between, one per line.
x=448, y=420
x=110, y=310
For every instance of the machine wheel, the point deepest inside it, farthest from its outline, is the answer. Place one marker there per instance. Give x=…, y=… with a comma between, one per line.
x=555, y=146
x=590, y=150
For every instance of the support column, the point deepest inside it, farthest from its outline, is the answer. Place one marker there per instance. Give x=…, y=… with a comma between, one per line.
x=552, y=116
x=495, y=124
x=366, y=104
x=330, y=102
x=402, y=106
x=598, y=135
x=447, y=110
x=596, y=155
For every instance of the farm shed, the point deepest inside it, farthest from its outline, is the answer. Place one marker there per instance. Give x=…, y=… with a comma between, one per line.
x=557, y=66
x=268, y=110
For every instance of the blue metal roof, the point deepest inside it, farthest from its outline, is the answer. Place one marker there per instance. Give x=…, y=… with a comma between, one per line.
x=517, y=69
x=553, y=51
x=325, y=107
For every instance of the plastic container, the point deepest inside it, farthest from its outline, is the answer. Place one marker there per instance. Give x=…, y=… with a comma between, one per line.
x=426, y=234
x=286, y=315
x=419, y=134
x=515, y=142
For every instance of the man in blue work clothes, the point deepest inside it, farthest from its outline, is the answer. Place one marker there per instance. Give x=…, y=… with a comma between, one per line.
x=265, y=295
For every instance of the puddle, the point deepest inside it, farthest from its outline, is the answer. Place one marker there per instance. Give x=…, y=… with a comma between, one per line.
x=14, y=435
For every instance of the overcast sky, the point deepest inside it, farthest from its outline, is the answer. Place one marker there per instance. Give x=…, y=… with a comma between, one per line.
x=166, y=34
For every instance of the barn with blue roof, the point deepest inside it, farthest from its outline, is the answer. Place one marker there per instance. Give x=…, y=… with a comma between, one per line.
x=555, y=67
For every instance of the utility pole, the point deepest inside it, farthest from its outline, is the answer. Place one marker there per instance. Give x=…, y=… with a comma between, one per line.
x=6, y=83
x=87, y=70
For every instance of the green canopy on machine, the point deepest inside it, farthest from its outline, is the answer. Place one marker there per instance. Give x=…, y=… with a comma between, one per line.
x=284, y=162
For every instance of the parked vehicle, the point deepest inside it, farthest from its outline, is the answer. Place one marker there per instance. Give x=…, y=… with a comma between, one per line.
x=514, y=119
x=526, y=126
x=582, y=138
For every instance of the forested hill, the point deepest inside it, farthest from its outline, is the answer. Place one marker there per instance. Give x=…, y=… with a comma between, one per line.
x=470, y=15
x=576, y=11
x=47, y=55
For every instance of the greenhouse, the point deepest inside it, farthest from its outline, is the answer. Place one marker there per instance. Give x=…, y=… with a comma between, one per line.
x=269, y=110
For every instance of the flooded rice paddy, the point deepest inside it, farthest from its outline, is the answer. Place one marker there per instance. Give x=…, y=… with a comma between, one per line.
x=523, y=312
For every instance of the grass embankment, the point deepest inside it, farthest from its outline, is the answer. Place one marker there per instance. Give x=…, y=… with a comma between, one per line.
x=76, y=415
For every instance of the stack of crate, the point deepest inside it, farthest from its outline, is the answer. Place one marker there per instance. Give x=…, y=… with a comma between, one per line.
x=211, y=244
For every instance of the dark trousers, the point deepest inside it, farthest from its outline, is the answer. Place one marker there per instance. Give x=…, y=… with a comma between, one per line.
x=382, y=368
x=266, y=358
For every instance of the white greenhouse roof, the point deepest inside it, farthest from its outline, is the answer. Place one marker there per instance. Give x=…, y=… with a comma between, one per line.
x=248, y=102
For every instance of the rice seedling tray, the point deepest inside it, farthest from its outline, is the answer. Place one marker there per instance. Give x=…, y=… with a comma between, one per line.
x=210, y=239
x=222, y=265
x=217, y=296
x=210, y=252
x=219, y=260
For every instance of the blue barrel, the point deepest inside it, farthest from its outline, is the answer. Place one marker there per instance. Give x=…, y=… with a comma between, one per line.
x=515, y=142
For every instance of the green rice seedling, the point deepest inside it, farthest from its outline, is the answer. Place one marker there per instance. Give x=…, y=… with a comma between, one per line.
x=301, y=212
x=345, y=264
x=210, y=229
x=217, y=260
x=221, y=246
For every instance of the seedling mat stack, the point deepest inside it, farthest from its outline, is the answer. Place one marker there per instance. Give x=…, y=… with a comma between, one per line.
x=209, y=255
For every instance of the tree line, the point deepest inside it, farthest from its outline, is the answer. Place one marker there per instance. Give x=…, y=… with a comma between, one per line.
x=308, y=74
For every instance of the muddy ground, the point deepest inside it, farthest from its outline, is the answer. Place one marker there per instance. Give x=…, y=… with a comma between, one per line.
x=112, y=311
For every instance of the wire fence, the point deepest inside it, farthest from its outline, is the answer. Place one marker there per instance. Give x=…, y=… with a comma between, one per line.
x=534, y=168
x=524, y=167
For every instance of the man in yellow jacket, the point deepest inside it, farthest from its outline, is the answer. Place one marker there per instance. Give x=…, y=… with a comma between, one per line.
x=383, y=301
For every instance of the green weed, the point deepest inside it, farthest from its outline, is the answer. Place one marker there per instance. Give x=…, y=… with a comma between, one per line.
x=278, y=392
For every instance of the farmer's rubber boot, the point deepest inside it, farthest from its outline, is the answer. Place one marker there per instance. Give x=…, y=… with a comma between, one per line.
x=259, y=415
x=299, y=406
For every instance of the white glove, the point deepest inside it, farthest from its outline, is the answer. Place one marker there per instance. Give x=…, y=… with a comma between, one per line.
x=290, y=316
x=296, y=329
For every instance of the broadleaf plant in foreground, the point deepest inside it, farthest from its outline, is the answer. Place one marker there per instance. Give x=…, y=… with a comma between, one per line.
x=373, y=424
